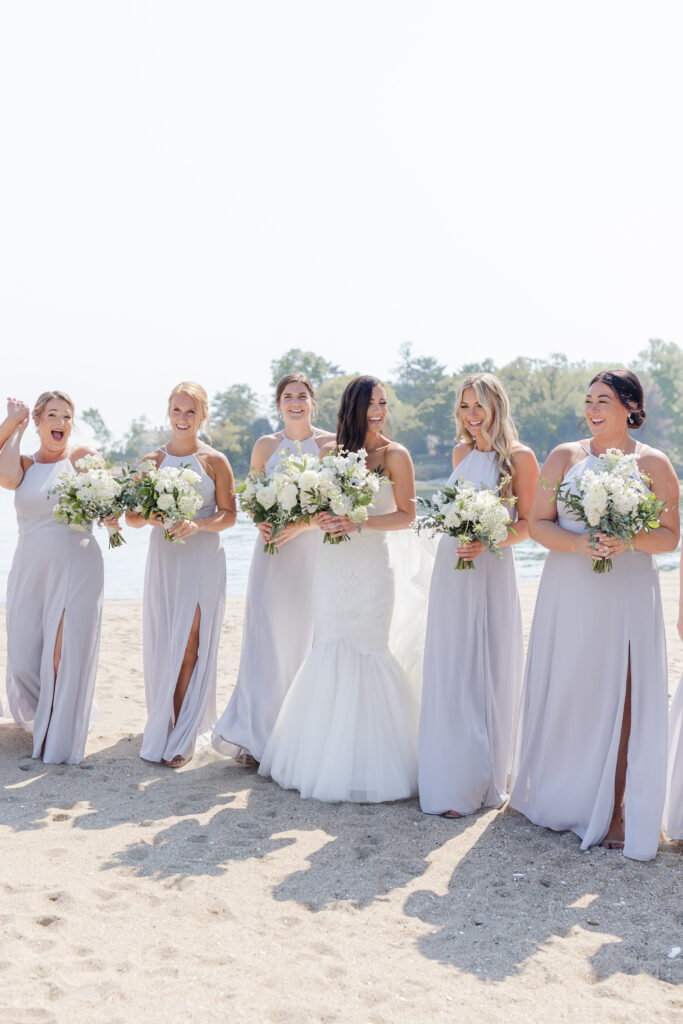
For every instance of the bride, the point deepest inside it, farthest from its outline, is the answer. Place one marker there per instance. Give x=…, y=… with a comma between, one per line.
x=348, y=727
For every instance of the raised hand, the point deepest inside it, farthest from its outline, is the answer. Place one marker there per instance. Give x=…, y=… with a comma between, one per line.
x=18, y=414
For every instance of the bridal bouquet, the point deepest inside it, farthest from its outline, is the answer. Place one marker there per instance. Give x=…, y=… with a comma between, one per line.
x=613, y=498
x=88, y=496
x=342, y=485
x=467, y=513
x=278, y=499
x=170, y=493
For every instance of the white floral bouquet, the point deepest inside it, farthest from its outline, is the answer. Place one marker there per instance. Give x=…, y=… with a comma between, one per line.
x=468, y=513
x=613, y=498
x=169, y=492
x=90, y=495
x=342, y=485
x=277, y=498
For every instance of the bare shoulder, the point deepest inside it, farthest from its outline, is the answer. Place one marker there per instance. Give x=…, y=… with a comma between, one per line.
x=652, y=460
x=397, y=457
x=264, y=446
x=329, y=446
x=217, y=461
x=460, y=450
x=157, y=456
x=324, y=438
x=81, y=451
x=523, y=457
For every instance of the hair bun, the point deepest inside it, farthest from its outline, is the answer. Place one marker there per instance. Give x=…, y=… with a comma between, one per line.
x=636, y=418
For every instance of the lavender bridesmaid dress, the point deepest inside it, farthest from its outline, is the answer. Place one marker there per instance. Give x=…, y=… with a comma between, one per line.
x=56, y=571
x=278, y=632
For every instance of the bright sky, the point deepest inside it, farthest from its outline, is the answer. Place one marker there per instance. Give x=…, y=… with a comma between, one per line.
x=190, y=189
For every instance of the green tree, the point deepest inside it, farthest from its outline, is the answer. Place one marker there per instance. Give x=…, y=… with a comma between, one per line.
x=235, y=424
x=660, y=367
x=103, y=436
x=296, y=360
x=415, y=377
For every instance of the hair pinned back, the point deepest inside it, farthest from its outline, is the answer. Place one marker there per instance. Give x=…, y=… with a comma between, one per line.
x=49, y=396
x=628, y=390
x=200, y=397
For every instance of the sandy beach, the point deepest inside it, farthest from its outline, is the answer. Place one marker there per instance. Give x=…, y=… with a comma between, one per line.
x=135, y=893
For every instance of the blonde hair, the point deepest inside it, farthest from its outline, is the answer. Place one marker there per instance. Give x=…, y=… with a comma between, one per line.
x=201, y=399
x=49, y=396
x=501, y=433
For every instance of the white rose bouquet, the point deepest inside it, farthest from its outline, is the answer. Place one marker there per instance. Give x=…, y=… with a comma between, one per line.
x=89, y=496
x=170, y=493
x=467, y=513
x=613, y=498
x=341, y=485
x=277, y=499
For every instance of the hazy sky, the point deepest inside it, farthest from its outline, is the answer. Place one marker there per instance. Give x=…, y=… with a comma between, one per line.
x=189, y=189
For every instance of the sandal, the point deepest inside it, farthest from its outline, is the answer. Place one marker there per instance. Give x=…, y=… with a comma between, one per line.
x=451, y=814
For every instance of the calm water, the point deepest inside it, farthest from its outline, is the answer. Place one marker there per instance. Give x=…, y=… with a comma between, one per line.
x=125, y=567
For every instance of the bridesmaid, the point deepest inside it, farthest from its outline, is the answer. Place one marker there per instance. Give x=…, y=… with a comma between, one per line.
x=673, y=823
x=184, y=597
x=54, y=590
x=591, y=745
x=278, y=618
x=473, y=646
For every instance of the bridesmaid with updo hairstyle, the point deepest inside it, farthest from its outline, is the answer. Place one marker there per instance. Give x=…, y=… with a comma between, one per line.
x=278, y=616
x=184, y=596
x=473, y=645
x=591, y=745
x=54, y=590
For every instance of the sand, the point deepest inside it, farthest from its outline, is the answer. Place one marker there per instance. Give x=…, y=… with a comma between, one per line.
x=135, y=893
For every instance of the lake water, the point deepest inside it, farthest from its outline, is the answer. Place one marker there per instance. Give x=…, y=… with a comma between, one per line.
x=125, y=566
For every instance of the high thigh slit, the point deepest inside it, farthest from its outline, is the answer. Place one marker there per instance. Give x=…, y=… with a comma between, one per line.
x=181, y=579
x=56, y=579
x=586, y=626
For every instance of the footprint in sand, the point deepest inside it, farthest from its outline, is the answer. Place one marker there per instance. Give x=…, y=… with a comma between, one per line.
x=47, y=922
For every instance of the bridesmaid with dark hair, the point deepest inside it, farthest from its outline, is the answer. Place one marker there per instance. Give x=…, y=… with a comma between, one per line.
x=348, y=727
x=591, y=745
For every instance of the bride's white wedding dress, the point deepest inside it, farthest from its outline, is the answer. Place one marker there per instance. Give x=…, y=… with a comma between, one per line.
x=348, y=727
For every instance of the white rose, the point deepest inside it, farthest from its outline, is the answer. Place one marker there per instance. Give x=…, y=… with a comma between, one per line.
x=165, y=502
x=288, y=497
x=189, y=476
x=265, y=496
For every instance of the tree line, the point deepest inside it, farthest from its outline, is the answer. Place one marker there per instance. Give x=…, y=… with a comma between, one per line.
x=546, y=396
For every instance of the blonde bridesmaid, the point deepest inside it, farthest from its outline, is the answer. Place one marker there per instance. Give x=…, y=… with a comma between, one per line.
x=184, y=596
x=473, y=646
x=54, y=590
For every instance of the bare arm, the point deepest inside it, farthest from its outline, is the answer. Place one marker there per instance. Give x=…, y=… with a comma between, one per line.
x=11, y=433
x=664, y=483
x=524, y=483
x=399, y=469
x=543, y=525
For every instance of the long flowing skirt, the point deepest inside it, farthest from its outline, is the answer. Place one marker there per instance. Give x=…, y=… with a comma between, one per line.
x=278, y=633
x=55, y=573
x=674, y=811
x=179, y=578
x=348, y=726
x=471, y=682
x=585, y=628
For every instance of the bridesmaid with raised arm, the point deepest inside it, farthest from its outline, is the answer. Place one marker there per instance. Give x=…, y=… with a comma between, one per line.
x=591, y=744
x=184, y=596
x=347, y=729
x=54, y=590
x=673, y=818
x=278, y=616
x=473, y=646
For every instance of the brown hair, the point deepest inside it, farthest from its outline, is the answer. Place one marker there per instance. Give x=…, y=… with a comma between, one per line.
x=201, y=399
x=293, y=378
x=48, y=396
x=352, y=418
x=628, y=390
